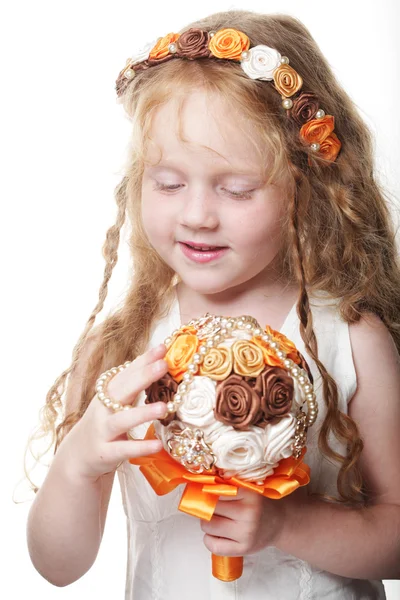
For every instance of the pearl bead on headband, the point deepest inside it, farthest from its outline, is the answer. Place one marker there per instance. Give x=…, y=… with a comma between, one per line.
x=258, y=62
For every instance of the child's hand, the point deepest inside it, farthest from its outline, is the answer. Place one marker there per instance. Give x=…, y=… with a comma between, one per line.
x=98, y=442
x=247, y=523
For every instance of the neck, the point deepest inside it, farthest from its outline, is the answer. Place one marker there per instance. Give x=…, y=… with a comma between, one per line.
x=268, y=303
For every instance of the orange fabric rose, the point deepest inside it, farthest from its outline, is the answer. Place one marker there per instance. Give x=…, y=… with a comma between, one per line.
x=285, y=344
x=330, y=147
x=184, y=329
x=317, y=130
x=268, y=354
x=229, y=43
x=160, y=50
x=188, y=329
x=286, y=80
x=180, y=354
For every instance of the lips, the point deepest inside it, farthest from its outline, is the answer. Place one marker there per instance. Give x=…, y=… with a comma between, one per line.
x=201, y=246
x=201, y=254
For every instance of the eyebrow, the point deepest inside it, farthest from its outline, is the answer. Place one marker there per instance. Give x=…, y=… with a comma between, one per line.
x=220, y=172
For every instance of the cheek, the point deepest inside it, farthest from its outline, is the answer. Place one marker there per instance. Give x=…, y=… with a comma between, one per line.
x=260, y=225
x=145, y=212
x=149, y=223
x=155, y=219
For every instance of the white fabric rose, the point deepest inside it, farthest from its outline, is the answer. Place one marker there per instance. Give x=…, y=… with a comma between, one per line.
x=261, y=63
x=278, y=439
x=214, y=430
x=254, y=475
x=241, y=454
x=198, y=405
x=143, y=53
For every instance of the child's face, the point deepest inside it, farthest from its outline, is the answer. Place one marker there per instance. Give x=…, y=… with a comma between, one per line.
x=202, y=207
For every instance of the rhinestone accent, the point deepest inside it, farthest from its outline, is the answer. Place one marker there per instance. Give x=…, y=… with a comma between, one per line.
x=188, y=447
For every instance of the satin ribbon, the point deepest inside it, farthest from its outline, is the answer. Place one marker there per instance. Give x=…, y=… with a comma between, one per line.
x=202, y=491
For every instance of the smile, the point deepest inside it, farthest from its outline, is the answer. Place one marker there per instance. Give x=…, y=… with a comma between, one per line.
x=202, y=254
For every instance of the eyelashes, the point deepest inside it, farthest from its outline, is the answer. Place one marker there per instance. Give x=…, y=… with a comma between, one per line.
x=175, y=187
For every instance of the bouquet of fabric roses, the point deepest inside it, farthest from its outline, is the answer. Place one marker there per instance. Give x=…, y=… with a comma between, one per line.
x=235, y=395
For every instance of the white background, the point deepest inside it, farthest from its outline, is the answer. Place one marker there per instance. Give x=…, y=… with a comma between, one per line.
x=63, y=141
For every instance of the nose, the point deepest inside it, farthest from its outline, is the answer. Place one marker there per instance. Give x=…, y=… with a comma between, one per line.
x=199, y=209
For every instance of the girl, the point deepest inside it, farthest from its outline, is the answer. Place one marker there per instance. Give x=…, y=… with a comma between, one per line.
x=250, y=190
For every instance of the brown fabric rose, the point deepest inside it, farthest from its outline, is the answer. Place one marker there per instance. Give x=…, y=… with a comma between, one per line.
x=162, y=390
x=193, y=43
x=237, y=403
x=276, y=389
x=304, y=108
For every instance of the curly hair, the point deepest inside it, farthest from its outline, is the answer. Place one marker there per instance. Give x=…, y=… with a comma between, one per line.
x=341, y=235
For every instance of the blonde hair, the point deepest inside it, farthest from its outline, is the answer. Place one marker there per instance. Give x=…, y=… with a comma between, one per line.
x=341, y=237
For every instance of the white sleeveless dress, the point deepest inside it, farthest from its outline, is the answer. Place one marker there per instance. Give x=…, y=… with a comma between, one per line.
x=167, y=559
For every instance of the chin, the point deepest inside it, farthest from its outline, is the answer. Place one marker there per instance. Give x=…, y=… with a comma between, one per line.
x=205, y=284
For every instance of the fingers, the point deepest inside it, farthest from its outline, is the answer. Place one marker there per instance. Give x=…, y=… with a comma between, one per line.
x=120, y=422
x=222, y=546
x=218, y=526
x=138, y=376
x=134, y=449
x=150, y=356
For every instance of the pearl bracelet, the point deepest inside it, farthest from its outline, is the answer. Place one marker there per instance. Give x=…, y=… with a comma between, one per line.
x=101, y=388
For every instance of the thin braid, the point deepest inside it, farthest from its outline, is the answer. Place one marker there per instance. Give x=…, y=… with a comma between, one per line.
x=53, y=404
x=343, y=426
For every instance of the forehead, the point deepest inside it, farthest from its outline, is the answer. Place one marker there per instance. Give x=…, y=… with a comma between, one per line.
x=205, y=128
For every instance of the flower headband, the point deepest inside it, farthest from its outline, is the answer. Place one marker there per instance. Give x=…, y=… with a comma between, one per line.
x=259, y=62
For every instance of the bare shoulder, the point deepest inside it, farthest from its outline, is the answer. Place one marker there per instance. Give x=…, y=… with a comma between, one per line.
x=374, y=352
x=375, y=405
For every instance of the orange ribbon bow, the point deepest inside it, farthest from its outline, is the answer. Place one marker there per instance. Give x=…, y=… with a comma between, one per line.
x=202, y=491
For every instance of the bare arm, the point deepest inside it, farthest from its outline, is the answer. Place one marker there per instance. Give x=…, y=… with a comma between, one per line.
x=360, y=543
x=66, y=521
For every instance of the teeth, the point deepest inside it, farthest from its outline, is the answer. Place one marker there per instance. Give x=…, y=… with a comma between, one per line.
x=204, y=248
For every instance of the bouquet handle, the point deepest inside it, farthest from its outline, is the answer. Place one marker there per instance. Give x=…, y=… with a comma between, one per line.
x=227, y=568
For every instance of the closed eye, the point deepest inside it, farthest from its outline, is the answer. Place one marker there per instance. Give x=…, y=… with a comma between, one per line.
x=173, y=188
